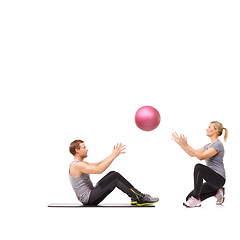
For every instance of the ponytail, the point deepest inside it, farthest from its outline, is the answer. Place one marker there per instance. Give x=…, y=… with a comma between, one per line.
x=226, y=134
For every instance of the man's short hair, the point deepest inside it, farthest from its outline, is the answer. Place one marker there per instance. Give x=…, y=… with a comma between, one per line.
x=75, y=145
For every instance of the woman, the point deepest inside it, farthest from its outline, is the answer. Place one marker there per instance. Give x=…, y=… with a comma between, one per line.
x=79, y=175
x=213, y=173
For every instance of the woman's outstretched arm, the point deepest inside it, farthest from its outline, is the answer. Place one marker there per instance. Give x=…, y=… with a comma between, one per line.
x=201, y=153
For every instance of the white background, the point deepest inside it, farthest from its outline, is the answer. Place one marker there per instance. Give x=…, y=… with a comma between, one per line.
x=80, y=70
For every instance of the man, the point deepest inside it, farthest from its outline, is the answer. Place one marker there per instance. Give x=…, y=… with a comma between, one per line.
x=79, y=175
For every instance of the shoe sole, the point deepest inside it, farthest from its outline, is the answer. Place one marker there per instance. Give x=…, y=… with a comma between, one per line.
x=144, y=204
x=190, y=206
x=219, y=204
x=223, y=195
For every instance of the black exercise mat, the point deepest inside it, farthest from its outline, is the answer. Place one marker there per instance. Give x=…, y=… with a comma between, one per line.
x=113, y=205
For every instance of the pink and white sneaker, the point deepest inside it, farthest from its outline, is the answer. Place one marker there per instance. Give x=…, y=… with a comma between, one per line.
x=220, y=195
x=192, y=202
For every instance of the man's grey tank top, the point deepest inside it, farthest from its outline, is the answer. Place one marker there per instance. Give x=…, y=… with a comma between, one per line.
x=82, y=186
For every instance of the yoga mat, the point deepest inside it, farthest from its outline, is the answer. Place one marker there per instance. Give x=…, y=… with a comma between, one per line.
x=113, y=205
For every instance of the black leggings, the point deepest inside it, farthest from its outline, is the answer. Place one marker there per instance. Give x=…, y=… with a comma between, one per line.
x=214, y=181
x=107, y=184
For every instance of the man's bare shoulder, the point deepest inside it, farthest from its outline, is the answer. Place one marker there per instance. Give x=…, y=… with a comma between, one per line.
x=76, y=169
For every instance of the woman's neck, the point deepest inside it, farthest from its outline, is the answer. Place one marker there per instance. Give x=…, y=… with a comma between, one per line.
x=214, y=139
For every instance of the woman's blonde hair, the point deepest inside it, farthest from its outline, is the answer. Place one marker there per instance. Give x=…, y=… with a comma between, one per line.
x=219, y=126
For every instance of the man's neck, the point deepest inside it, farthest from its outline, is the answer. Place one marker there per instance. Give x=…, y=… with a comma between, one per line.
x=79, y=158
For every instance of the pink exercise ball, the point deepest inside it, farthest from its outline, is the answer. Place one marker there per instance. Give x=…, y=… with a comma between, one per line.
x=147, y=118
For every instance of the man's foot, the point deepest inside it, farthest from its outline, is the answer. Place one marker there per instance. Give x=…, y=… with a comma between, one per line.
x=192, y=202
x=147, y=200
x=133, y=201
x=142, y=199
x=220, y=196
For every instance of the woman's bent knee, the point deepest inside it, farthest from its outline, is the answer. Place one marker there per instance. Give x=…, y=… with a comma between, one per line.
x=198, y=167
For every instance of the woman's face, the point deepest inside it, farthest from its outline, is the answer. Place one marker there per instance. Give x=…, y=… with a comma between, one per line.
x=211, y=131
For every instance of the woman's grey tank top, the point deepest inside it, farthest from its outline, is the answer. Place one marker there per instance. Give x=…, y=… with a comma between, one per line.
x=82, y=186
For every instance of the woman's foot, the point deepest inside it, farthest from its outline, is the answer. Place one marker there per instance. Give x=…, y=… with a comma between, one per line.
x=220, y=195
x=192, y=202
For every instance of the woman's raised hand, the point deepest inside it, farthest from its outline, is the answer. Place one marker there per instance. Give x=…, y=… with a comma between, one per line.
x=180, y=140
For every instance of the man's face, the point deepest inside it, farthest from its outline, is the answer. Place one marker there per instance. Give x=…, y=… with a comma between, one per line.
x=82, y=151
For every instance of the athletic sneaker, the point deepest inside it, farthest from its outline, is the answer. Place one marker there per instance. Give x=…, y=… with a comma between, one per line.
x=192, y=202
x=143, y=199
x=133, y=201
x=220, y=195
x=147, y=200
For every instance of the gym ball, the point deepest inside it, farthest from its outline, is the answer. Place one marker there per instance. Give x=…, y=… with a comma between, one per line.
x=147, y=118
